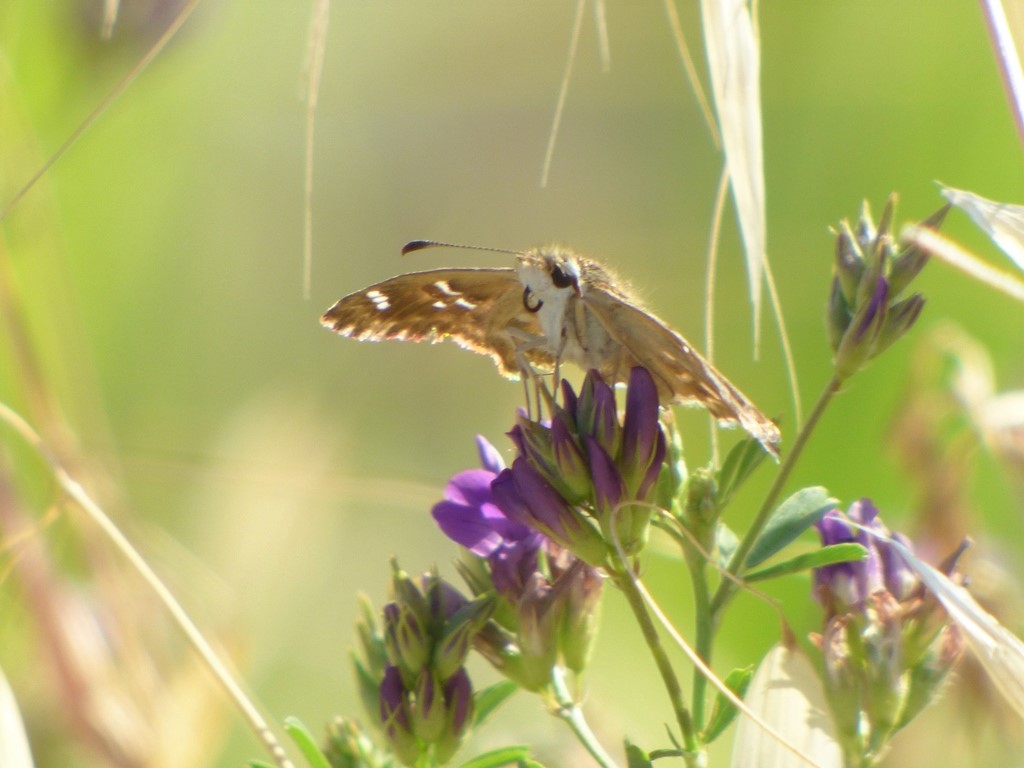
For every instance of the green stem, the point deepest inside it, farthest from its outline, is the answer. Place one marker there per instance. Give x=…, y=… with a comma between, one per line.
x=728, y=585
x=705, y=629
x=675, y=693
x=573, y=716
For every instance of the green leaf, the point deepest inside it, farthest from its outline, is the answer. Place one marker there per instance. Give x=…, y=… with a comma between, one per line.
x=305, y=742
x=636, y=757
x=726, y=543
x=743, y=459
x=490, y=698
x=259, y=764
x=792, y=517
x=830, y=555
x=723, y=712
x=518, y=755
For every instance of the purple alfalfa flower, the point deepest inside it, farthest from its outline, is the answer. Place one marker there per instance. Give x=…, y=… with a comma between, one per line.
x=844, y=586
x=470, y=516
x=885, y=647
x=527, y=498
x=595, y=413
x=643, y=441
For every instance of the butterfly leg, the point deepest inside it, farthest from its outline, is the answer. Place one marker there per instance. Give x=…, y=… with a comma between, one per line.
x=541, y=394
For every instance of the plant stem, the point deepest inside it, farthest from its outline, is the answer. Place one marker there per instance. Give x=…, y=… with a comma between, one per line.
x=668, y=675
x=573, y=716
x=705, y=629
x=728, y=586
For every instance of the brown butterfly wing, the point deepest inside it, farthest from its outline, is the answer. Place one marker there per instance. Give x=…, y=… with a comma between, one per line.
x=476, y=308
x=682, y=375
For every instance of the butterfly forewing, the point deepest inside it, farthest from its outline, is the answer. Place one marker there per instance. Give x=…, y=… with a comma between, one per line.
x=479, y=309
x=682, y=375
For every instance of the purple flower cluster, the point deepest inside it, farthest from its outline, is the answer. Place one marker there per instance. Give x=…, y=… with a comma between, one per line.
x=886, y=644
x=424, y=695
x=572, y=482
x=847, y=586
x=545, y=526
x=864, y=315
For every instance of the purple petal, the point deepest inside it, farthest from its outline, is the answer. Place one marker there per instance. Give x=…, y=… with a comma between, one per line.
x=545, y=506
x=393, y=709
x=875, y=309
x=508, y=498
x=654, y=470
x=512, y=565
x=490, y=458
x=608, y=488
x=640, y=424
x=458, y=694
x=471, y=487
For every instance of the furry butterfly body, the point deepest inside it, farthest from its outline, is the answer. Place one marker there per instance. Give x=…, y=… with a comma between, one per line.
x=554, y=306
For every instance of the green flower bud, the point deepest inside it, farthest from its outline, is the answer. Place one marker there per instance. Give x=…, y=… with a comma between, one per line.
x=428, y=713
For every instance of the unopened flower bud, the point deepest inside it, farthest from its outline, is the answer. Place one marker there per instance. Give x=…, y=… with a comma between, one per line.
x=394, y=718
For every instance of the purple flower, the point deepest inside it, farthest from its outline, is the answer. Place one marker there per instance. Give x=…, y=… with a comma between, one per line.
x=884, y=649
x=864, y=314
x=845, y=586
x=526, y=497
x=470, y=516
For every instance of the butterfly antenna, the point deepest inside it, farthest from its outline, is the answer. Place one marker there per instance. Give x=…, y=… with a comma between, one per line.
x=419, y=245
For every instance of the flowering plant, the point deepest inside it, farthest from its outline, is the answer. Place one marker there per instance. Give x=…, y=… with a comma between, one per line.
x=573, y=513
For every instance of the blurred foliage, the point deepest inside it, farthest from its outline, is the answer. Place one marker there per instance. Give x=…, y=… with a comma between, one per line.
x=156, y=332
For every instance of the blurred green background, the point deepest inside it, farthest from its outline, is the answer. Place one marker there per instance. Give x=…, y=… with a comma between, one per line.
x=268, y=468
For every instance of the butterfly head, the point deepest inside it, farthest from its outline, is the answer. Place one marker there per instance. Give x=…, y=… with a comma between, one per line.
x=550, y=276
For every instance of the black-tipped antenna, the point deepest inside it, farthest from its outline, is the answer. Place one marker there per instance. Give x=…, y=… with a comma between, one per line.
x=419, y=245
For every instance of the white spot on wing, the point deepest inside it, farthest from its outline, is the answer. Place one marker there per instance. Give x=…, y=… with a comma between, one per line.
x=380, y=301
x=439, y=305
x=446, y=289
x=465, y=304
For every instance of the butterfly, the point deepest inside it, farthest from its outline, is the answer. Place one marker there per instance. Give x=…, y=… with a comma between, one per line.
x=554, y=306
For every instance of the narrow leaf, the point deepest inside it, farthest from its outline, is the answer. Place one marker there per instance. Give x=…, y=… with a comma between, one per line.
x=305, y=742
x=636, y=757
x=794, y=516
x=723, y=712
x=743, y=459
x=489, y=699
x=517, y=755
x=726, y=543
x=830, y=555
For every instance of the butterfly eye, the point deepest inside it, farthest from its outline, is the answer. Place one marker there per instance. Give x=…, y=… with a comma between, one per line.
x=560, y=277
x=526, y=301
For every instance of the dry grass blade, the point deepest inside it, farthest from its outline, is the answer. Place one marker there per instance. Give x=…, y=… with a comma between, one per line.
x=1002, y=222
x=734, y=61
x=14, y=747
x=787, y=695
x=102, y=107
x=110, y=9
x=691, y=71
x=966, y=262
x=999, y=651
x=199, y=643
x=574, y=41
x=999, y=30
x=314, y=72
